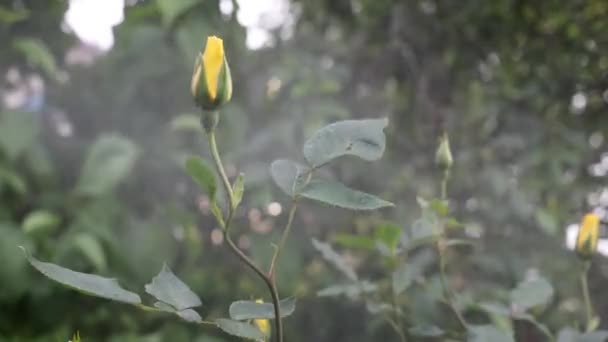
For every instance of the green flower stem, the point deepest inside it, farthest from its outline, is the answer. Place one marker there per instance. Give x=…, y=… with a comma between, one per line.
x=447, y=291
x=387, y=317
x=279, y=248
x=398, y=326
x=585, y=288
x=278, y=322
x=210, y=121
x=287, y=230
x=444, y=184
x=220, y=170
x=543, y=329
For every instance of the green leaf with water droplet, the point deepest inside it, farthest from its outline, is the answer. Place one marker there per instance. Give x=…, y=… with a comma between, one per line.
x=362, y=138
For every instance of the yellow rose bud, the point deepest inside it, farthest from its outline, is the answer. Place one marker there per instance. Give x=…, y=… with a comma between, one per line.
x=443, y=156
x=262, y=324
x=588, y=234
x=211, y=84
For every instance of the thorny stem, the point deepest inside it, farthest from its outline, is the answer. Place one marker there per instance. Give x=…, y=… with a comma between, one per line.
x=267, y=280
x=586, y=297
x=447, y=291
x=209, y=122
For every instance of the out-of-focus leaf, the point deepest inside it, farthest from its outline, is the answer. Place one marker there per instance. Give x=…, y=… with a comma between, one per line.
x=362, y=138
x=335, y=259
x=245, y=309
x=459, y=242
x=547, y=222
x=404, y=276
x=91, y=248
x=40, y=222
x=408, y=272
x=339, y=195
x=172, y=9
x=422, y=233
x=240, y=329
x=350, y=290
x=495, y=308
x=377, y=308
x=187, y=122
x=440, y=207
x=14, y=271
x=37, y=54
x=571, y=335
x=11, y=16
x=426, y=331
x=568, y=335
x=108, y=163
x=169, y=289
x=13, y=180
x=593, y=324
x=452, y=223
x=529, y=294
x=355, y=241
x=288, y=175
x=18, y=132
x=389, y=234
x=87, y=283
x=188, y=38
x=203, y=175
x=596, y=336
x=39, y=160
x=485, y=333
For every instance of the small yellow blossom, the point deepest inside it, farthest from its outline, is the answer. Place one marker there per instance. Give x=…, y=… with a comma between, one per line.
x=588, y=235
x=262, y=324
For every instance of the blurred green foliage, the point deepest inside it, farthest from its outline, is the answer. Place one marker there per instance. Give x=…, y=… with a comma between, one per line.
x=112, y=197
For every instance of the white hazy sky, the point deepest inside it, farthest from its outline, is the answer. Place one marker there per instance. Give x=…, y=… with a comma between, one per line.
x=92, y=20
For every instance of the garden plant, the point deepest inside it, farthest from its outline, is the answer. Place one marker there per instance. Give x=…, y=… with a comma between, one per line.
x=396, y=291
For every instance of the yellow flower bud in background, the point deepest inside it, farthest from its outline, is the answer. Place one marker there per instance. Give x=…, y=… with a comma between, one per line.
x=588, y=235
x=262, y=324
x=443, y=156
x=211, y=84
